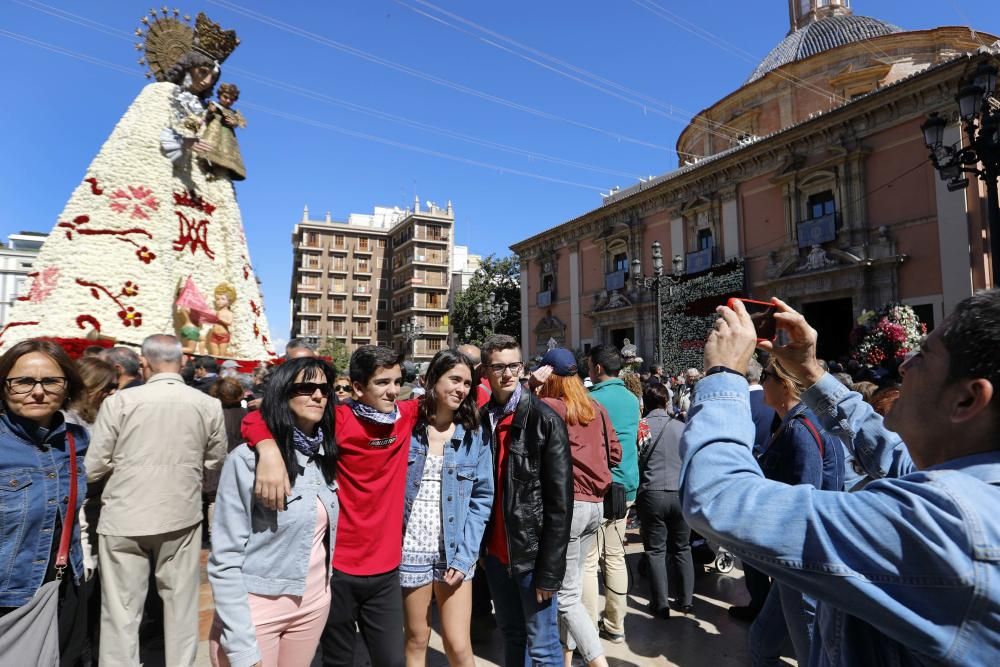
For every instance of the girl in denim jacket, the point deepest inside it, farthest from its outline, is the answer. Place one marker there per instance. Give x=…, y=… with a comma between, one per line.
x=449, y=495
x=270, y=570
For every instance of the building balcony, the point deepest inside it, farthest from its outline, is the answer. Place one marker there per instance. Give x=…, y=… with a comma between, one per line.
x=314, y=288
x=544, y=299
x=336, y=313
x=338, y=289
x=338, y=268
x=366, y=271
x=700, y=260
x=433, y=258
x=311, y=268
x=362, y=334
x=366, y=314
x=615, y=280
x=358, y=250
x=314, y=245
x=362, y=290
x=817, y=231
x=309, y=311
x=440, y=330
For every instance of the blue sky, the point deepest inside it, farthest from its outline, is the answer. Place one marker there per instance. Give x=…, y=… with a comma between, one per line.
x=58, y=109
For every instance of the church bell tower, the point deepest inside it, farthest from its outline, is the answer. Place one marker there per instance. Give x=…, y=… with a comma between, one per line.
x=803, y=12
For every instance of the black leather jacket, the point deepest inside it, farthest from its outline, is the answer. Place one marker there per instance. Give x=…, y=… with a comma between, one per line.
x=538, y=491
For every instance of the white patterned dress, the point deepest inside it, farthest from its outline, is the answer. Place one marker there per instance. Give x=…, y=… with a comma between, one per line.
x=423, y=545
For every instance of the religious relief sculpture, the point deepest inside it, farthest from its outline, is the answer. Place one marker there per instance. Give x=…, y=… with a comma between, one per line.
x=817, y=259
x=155, y=211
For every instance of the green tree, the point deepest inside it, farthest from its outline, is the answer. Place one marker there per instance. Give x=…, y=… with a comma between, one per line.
x=499, y=276
x=336, y=350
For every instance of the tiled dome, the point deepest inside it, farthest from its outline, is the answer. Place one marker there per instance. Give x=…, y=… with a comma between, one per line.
x=819, y=36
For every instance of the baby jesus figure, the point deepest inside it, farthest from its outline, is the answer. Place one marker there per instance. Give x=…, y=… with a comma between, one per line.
x=219, y=134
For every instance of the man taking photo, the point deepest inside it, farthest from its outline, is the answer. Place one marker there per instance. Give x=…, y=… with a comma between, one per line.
x=906, y=570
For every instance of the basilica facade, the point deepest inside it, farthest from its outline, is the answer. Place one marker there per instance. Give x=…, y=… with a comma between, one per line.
x=812, y=179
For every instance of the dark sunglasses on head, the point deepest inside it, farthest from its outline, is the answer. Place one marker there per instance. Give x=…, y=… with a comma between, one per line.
x=342, y=387
x=308, y=389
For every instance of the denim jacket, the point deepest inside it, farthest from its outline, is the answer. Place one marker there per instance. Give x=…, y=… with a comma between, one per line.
x=34, y=481
x=466, y=492
x=262, y=551
x=794, y=456
x=905, y=571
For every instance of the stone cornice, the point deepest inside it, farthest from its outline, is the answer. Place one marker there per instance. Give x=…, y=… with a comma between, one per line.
x=910, y=98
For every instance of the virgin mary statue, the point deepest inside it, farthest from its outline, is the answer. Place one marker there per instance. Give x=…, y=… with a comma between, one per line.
x=154, y=218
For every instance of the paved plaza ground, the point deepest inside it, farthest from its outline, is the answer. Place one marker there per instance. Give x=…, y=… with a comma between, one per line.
x=706, y=637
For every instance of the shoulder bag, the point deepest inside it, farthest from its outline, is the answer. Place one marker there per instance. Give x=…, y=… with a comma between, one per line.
x=614, y=499
x=29, y=635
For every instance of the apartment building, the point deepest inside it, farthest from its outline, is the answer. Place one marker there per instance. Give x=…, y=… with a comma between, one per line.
x=17, y=261
x=379, y=278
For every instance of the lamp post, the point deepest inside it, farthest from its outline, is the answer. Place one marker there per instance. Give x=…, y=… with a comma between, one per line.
x=980, y=114
x=493, y=310
x=655, y=284
x=411, y=332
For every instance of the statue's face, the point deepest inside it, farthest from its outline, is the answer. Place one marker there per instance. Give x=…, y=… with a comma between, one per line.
x=225, y=100
x=202, y=78
x=221, y=301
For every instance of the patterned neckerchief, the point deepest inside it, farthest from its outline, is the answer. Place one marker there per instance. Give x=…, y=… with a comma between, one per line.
x=498, y=412
x=307, y=444
x=370, y=414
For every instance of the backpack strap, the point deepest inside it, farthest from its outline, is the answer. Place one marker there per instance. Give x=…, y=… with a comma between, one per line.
x=815, y=433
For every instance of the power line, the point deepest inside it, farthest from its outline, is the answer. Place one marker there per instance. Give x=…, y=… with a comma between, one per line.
x=575, y=73
x=352, y=106
x=370, y=57
x=720, y=43
x=309, y=121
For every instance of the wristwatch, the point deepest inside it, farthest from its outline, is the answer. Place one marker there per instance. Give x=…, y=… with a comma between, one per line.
x=723, y=369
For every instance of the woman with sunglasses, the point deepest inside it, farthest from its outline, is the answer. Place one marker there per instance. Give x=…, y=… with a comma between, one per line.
x=342, y=389
x=799, y=452
x=449, y=495
x=270, y=570
x=37, y=448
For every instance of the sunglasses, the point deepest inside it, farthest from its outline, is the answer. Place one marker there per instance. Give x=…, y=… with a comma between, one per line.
x=308, y=389
x=342, y=387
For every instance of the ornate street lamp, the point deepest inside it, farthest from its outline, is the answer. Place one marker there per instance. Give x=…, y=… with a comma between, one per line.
x=980, y=114
x=655, y=284
x=493, y=311
x=411, y=332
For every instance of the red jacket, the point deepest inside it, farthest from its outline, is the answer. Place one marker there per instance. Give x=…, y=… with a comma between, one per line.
x=591, y=469
x=371, y=474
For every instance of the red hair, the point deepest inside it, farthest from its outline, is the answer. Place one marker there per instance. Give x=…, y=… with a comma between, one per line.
x=570, y=390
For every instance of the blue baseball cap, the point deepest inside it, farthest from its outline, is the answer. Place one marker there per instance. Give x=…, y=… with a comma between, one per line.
x=562, y=361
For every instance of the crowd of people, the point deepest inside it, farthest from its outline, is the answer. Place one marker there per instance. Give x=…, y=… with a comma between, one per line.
x=333, y=507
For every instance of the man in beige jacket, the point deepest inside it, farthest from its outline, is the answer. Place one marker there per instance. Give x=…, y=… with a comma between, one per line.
x=152, y=445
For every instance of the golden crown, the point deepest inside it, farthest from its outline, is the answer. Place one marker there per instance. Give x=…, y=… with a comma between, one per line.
x=212, y=40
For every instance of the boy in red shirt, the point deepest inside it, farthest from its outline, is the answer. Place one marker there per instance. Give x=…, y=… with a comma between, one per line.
x=373, y=437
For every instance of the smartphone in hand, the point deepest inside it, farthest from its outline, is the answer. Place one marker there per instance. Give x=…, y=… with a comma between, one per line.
x=762, y=315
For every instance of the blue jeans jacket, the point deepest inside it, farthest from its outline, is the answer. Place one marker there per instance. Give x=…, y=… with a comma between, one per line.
x=262, y=551
x=466, y=492
x=794, y=456
x=34, y=490
x=905, y=571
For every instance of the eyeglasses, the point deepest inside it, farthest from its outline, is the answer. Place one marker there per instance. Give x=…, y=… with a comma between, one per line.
x=25, y=385
x=342, y=387
x=514, y=368
x=308, y=389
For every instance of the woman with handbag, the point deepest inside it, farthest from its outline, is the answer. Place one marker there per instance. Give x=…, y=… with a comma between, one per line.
x=797, y=453
x=43, y=611
x=666, y=537
x=595, y=448
x=269, y=570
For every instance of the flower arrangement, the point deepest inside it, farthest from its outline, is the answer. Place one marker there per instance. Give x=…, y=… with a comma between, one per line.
x=886, y=336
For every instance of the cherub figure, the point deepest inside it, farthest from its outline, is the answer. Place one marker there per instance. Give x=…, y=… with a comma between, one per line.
x=219, y=336
x=219, y=133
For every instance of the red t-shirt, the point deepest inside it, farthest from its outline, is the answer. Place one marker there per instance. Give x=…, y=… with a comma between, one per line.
x=496, y=541
x=371, y=474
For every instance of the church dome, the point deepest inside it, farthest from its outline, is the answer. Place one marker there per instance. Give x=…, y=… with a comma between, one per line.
x=822, y=35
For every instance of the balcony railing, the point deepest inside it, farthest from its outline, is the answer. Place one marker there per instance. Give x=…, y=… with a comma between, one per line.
x=701, y=260
x=429, y=257
x=310, y=287
x=817, y=231
x=362, y=289
x=545, y=299
x=615, y=279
